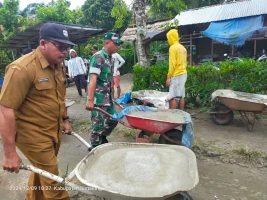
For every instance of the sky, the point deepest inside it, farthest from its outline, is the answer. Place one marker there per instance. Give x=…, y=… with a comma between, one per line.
x=74, y=3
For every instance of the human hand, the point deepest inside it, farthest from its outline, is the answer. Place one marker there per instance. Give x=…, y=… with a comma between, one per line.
x=66, y=127
x=11, y=162
x=89, y=105
x=168, y=82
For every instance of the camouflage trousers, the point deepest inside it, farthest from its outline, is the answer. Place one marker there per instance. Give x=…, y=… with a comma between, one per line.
x=102, y=125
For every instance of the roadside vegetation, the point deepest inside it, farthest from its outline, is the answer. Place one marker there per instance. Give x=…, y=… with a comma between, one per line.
x=247, y=76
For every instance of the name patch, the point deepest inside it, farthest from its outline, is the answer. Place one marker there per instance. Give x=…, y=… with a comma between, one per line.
x=40, y=80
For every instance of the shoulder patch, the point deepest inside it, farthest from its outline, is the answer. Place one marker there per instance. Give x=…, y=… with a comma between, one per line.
x=99, y=61
x=16, y=67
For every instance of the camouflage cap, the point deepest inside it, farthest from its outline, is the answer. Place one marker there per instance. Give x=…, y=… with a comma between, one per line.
x=112, y=36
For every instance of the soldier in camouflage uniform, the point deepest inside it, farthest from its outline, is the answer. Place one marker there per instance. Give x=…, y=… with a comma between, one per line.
x=99, y=90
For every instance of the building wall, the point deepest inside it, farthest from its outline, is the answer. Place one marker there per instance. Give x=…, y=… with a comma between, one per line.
x=203, y=50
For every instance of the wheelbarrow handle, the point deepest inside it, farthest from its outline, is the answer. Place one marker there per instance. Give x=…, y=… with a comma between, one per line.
x=81, y=139
x=115, y=102
x=111, y=117
x=78, y=137
x=103, y=111
x=23, y=166
x=58, y=179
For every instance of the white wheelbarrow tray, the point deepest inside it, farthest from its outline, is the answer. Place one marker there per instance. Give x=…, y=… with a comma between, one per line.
x=132, y=171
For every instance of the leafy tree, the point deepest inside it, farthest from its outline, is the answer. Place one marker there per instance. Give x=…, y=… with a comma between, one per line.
x=97, y=13
x=122, y=15
x=77, y=16
x=107, y=14
x=162, y=9
x=31, y=9
x=57, y=11
x=8, y=14
x=9, y=19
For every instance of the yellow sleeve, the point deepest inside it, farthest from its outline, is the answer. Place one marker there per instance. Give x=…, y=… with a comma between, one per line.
x=172, y=62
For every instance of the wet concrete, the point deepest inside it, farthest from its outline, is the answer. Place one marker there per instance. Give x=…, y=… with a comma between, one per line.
x=141, y=171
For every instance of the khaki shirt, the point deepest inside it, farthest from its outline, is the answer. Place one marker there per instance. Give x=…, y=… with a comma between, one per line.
x=37, y=94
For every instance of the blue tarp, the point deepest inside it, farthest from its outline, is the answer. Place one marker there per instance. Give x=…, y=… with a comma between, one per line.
x=129, y=109
x=125, y=99
x=235, y=31
x=187, y=131
x=1, y=83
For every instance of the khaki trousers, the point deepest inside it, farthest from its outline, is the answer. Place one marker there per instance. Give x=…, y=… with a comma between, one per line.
x=43, y=156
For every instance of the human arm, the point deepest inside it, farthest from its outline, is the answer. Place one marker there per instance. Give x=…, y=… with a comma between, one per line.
x=83, y=66
x=121, y=60
x=90, y=92
x=66, y=124
x=70, y=70
x=8, y=133
x=172, y=62
x=10, y=100
x=96, y=65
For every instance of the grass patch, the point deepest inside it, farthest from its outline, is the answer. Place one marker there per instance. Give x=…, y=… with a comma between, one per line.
x=81, y=126
x=128, y=132
x=250, y=155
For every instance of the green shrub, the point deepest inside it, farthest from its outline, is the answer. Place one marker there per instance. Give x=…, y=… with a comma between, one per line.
x=247, y=76
x=140, y=78
x=150, y=78
x=128, y=56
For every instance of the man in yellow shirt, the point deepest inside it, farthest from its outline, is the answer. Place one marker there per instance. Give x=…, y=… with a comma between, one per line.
x=177, y=73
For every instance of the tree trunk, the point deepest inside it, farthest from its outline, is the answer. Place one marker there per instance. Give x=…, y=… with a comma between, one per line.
x=140, y=20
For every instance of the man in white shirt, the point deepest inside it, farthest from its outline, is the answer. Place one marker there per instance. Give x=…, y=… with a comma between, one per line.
x=118, y=62
x=77, y=71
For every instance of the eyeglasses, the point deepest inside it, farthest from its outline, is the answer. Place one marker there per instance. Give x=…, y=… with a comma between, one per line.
x=117, y=44
x=60, y=47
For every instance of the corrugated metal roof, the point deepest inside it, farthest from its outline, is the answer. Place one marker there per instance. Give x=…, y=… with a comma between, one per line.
x=77, y=34
x=222, y=12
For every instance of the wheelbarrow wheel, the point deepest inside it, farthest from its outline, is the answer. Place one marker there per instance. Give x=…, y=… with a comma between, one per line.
x=181, y=196
x=173, y=134
x=223, y=118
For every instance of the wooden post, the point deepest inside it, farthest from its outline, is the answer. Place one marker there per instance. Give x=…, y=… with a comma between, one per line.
x=255, y=48
x=134, y=51
x=191, y=50
x=233, y=50
x=211, y=50
x=139, y=8
x=13, y=54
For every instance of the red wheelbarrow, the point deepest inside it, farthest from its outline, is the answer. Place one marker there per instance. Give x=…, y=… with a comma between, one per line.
x=157, y=120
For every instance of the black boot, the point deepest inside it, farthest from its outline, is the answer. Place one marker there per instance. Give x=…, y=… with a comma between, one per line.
x=104, y=140
x=90, y=148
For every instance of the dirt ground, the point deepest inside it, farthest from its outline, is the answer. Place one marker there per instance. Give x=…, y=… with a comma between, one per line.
x=232, y=162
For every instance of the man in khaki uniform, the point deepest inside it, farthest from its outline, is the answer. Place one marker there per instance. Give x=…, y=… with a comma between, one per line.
x=33, y=112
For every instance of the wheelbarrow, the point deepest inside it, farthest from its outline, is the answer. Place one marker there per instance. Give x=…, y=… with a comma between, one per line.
x=153, y=98
x=154, y=120
x=132, y=171
x=247, y=104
